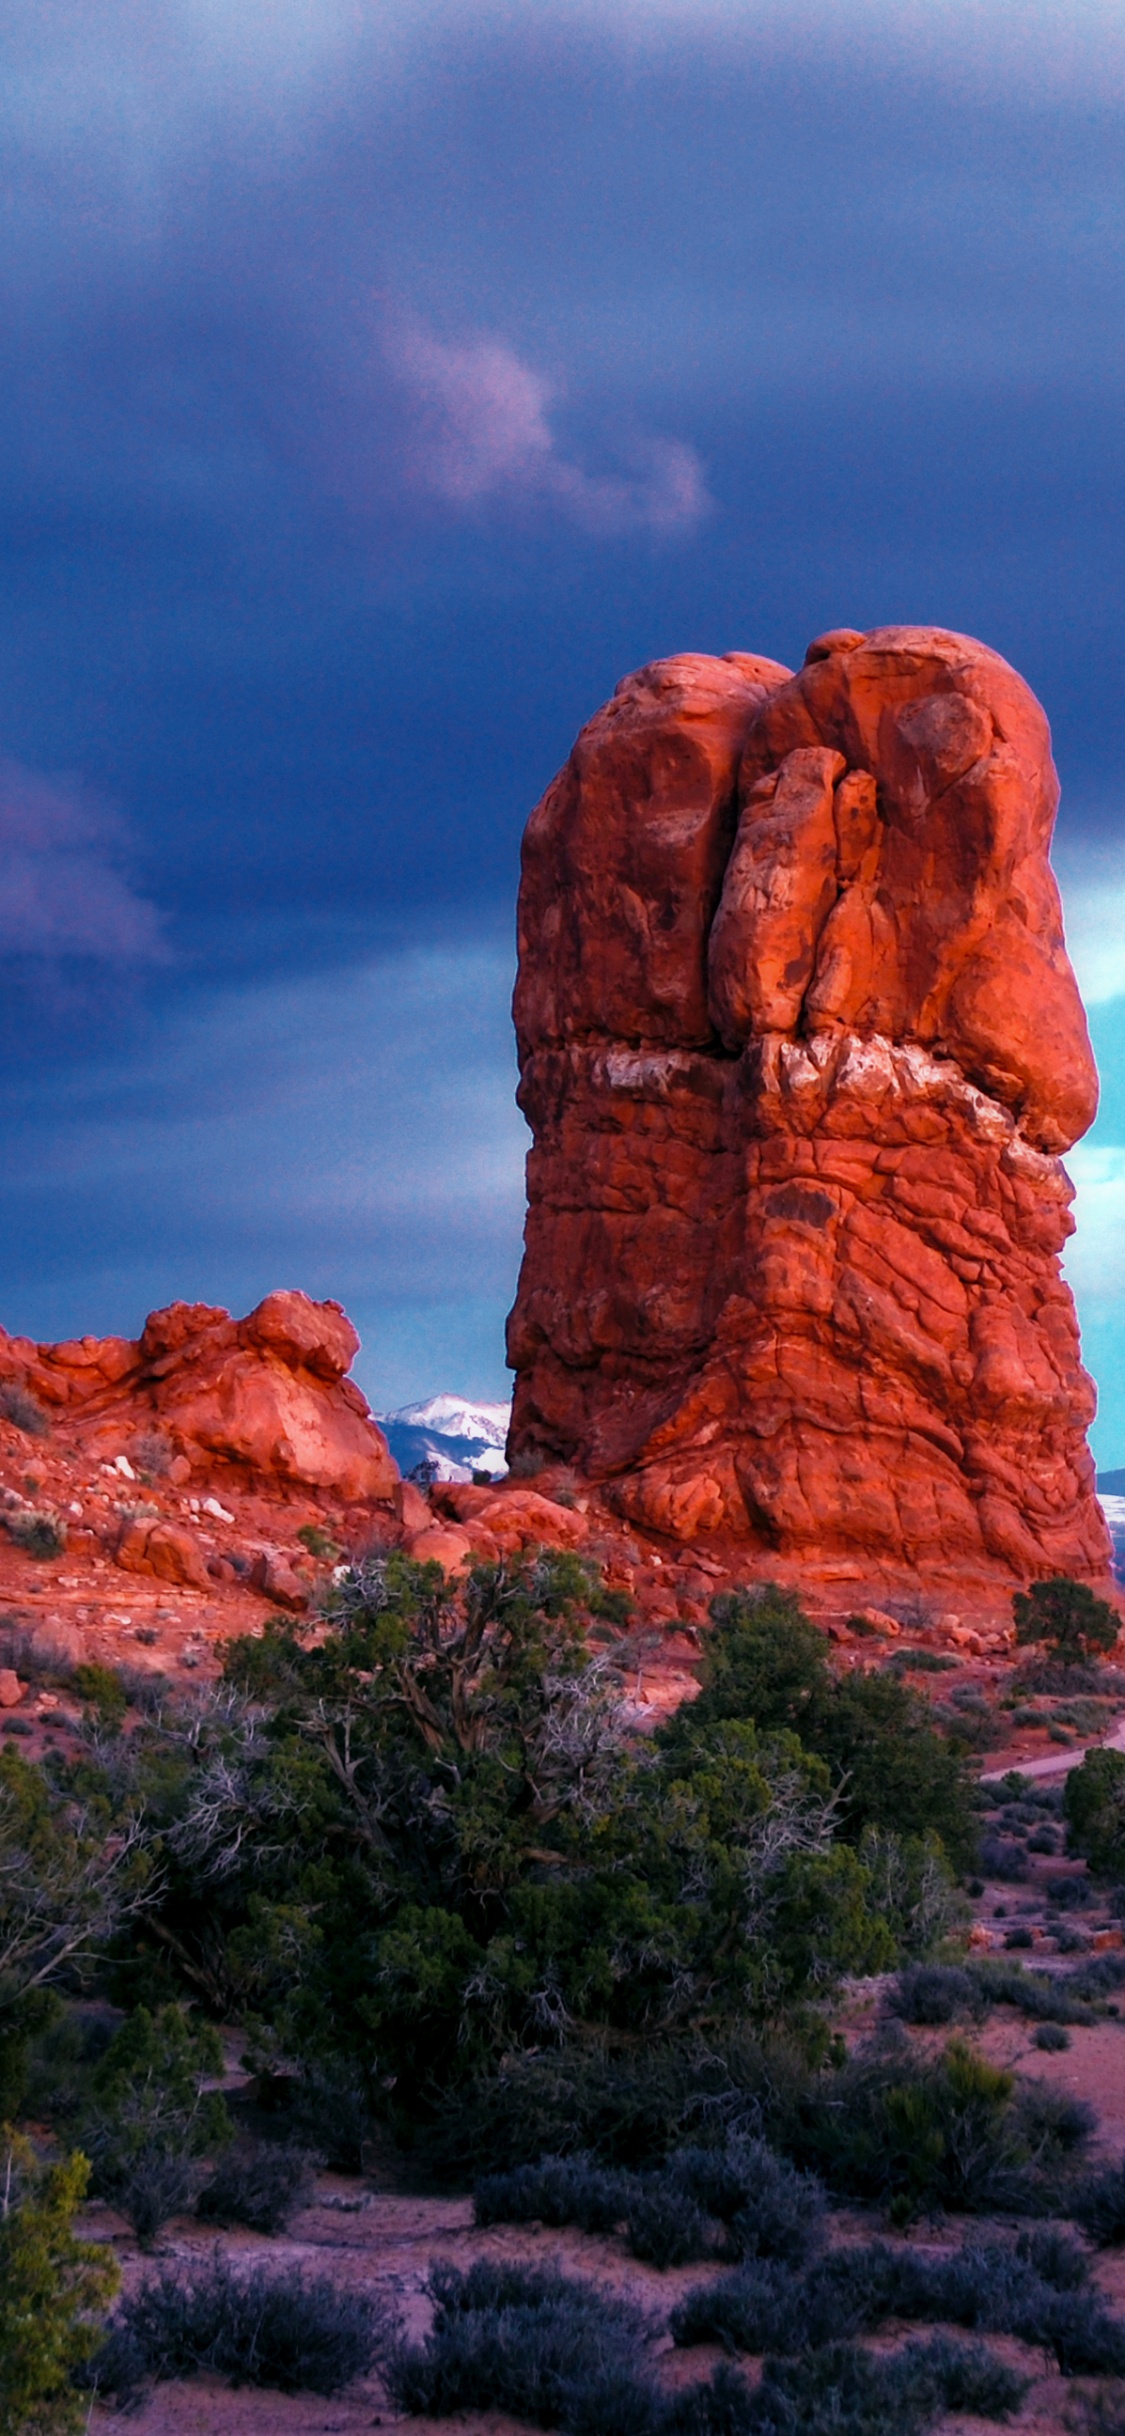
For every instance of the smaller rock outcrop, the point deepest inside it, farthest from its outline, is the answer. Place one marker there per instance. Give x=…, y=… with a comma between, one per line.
x=268, y=1394
x=165, y=1549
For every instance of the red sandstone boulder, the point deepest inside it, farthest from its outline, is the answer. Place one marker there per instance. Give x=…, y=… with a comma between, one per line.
x=799, y=1045
x=318, y=1337
x=444, y=1544
x=166, y=1549
x=175, y=1333
x=273, y=1574
x=521, y=1518
x=875, y=1619
x=277, y=1422
x=462, y=1499
x=267, y=1393
x=411, y=1508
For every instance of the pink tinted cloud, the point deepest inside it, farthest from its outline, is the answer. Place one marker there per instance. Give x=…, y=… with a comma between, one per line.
x=484, y=433
x=63, y=892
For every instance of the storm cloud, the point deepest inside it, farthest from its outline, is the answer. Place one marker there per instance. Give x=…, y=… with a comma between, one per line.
x=377, y=386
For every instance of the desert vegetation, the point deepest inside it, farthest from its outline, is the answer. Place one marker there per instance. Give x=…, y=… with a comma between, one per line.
x=415, y=1857
x=560, y=2353
x=52, y=2290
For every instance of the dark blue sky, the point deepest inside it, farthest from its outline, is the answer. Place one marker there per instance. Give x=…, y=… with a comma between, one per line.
x=378, y=385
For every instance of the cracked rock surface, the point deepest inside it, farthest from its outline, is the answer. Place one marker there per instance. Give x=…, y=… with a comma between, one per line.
x=800, y=1049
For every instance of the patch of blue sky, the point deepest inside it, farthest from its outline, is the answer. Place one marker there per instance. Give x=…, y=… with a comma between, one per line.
x=354, y=1133
x=1092, y=878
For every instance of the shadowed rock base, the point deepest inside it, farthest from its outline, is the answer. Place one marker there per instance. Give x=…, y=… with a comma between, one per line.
x=799, y=1047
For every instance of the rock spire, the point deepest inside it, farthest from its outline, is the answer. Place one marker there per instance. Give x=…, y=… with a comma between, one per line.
x=800, y=1049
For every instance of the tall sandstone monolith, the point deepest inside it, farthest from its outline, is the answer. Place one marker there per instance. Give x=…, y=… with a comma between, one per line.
x=800, y=1048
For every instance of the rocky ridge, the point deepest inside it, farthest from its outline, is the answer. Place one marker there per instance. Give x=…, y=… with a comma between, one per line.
x=159, y=1495
x=163, y=1494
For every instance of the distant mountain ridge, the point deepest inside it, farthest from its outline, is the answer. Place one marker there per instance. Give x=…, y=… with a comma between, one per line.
x=458, y=1436
x=1111, y=1493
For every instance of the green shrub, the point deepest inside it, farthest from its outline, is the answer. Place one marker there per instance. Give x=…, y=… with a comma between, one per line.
x=151, y=1451
x=23, y=1410
x=62, y=2058
x=1099, y=2206
x=426, y=1838
x=1040, y=1996
x=151, y=2119
x=1094, y=1805
x=765, y=1661
x=41, y=1535
x=914, y=2132
x=557, y=2191
x=319, y=1542
x=419, y=1840
x=935, y=1992
x=628, y=2106
x=52, y=2288
x=665, y=2227
x=528, y=2341
x=21, y=2020
x=330, y=2111
x=102, y=1690
x=911, y=1887
x=72, y=1870
x=261, y=2188
x=270, y=2327
x=738, y=2201
x=842, y=2391
x=1067, y=1617
x=1035, y=2290
x=476, y=1852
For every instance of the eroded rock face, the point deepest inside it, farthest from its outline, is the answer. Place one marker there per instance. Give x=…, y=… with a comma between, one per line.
x=800, y=1046
x=267, y=1393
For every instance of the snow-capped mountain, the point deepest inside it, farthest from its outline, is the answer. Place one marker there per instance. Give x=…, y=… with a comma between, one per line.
x=459, y=1437
x=1113, y=1507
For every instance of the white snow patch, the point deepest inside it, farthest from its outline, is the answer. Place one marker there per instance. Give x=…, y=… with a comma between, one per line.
x=454, y=1417
x=455, y=1435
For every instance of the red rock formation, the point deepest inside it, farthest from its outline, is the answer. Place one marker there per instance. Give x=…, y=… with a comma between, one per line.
x=267, y=1395
x=799, y=1047
x=193, y=1481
